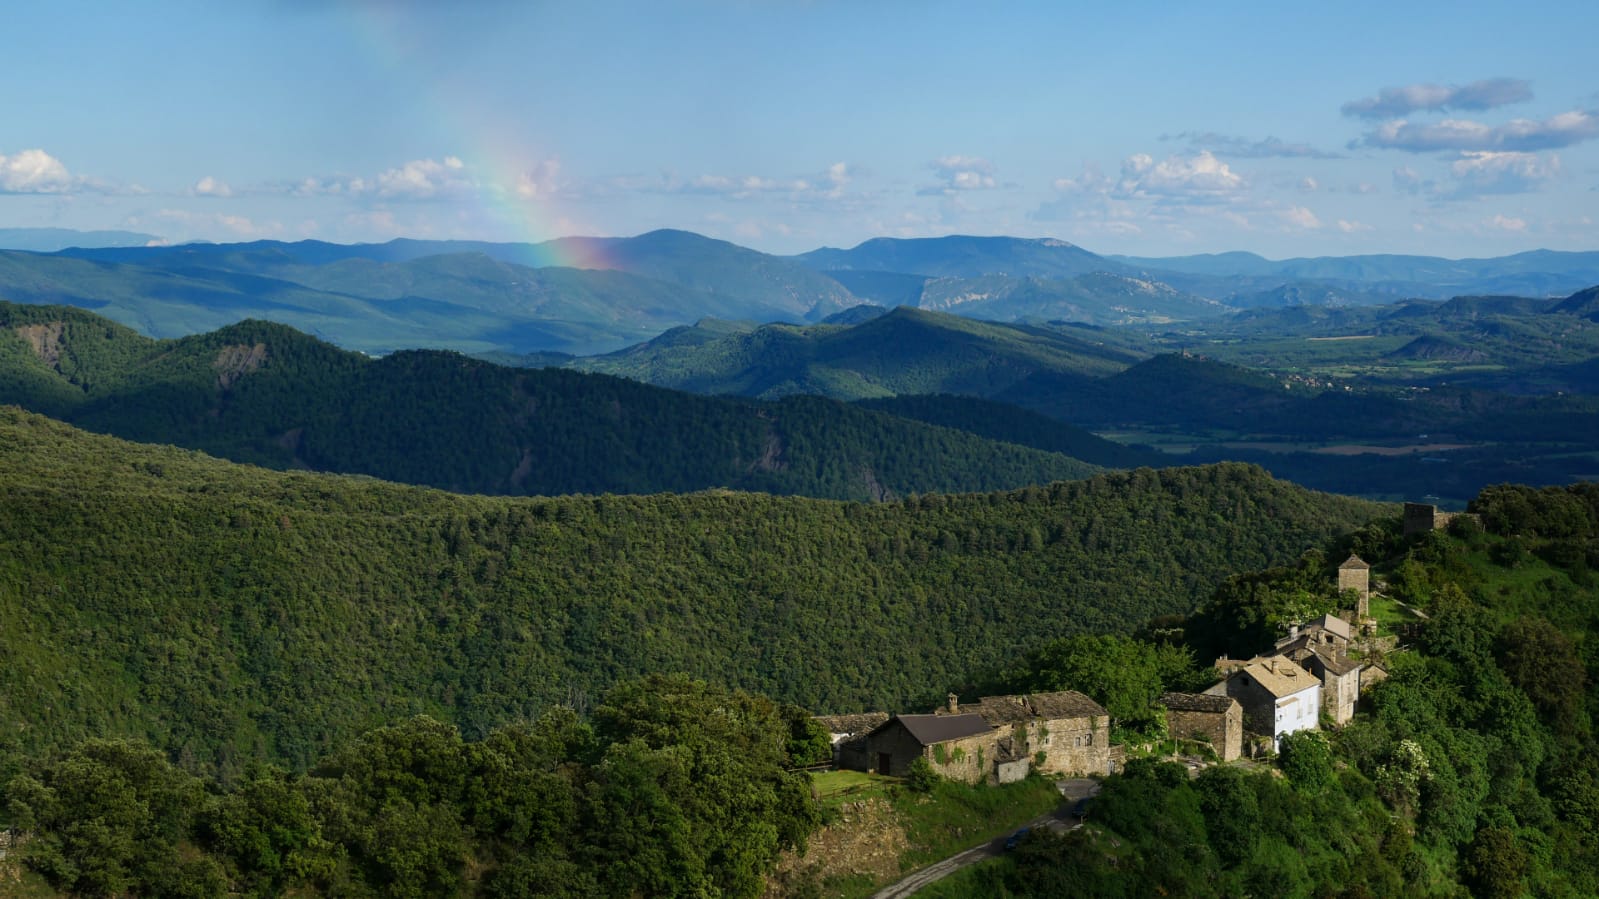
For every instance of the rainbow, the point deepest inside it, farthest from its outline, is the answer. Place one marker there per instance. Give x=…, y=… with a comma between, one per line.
x=499, y=162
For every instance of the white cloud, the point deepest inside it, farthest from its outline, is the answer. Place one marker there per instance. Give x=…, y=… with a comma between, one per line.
x=838, y=177
x=543, y=179
x=1407, y=180
x=211, y=187
x=1242, y=147
x=1309, y=185
x=1506, y=223
x=207, y=226
x=1520, y=135
x=1349, y=227
x=960, y=173
x=35, y=172
x=1392, y=102
x=830, y=184
x=423, y=179
x=1300, y=217
x=1502, y=173
x=419, y=179
x=1198, y=178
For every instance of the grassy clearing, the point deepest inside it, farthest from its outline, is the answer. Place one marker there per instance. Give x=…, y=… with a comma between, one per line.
x=835, y=787
x=957, y=816
x=1389, y=614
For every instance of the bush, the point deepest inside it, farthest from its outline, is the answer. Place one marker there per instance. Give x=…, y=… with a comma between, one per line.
x=922, y=777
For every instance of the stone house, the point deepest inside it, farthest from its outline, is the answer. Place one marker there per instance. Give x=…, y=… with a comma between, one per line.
x=959, y=747
x=1340, y=683
x=1278, y=697
x=1328, y=633
x=998, y=738
x=849, y=737
x=1057, y=733
x=1217, y=720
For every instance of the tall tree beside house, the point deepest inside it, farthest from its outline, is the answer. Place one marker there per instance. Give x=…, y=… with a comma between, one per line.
x=1121, y=673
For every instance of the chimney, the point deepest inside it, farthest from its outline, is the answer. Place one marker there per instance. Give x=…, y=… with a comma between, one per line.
x=954, y=704
x=1293, y=631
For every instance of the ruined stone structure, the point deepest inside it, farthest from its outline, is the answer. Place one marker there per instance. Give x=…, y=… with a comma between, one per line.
x=1217, y=720
x=1355, y=575
x=1423, y=517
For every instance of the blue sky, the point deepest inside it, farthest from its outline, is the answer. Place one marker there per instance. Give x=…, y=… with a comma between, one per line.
x=1148, y=129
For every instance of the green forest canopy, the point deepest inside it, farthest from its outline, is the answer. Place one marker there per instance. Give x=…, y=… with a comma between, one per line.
x=229, y=613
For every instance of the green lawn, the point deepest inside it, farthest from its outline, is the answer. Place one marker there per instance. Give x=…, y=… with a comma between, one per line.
x=956, y=816
x=1389, y=614
x=834, y=787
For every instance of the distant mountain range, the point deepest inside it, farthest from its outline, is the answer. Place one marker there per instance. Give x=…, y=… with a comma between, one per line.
x=594, y=295
x=263, y=393
x=48, y=240
x=901, y=351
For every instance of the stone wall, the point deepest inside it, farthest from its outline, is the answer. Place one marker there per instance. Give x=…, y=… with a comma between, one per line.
x=891, y=750
x=1072, y=746
x=1340, y=693
x=968, y=760
x=1224, y=731
x=1011, y=772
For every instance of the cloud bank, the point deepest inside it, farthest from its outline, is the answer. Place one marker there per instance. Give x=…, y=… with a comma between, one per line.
x=1393, y=102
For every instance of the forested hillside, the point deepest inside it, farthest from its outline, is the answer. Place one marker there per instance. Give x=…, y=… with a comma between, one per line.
x=265, y=394
x=904, y=351
x=227, y=613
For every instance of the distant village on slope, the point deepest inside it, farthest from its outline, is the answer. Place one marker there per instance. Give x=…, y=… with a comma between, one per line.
x=1316, y=672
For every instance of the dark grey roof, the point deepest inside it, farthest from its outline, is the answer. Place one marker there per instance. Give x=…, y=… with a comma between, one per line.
x=1196, y=702
x=1338, y=666
x=930, y=729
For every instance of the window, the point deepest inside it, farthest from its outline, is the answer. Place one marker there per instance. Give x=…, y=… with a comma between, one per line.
x=1088, y=740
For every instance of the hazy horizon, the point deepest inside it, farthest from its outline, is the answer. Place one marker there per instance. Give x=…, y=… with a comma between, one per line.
x=786, y=125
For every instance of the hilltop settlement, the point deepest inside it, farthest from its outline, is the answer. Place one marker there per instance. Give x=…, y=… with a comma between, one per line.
x=1313, y=675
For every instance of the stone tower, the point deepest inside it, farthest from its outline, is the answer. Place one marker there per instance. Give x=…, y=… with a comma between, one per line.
x=1355, y=575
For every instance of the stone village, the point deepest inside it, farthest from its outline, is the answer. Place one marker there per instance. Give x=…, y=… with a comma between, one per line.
x=1315, y=673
